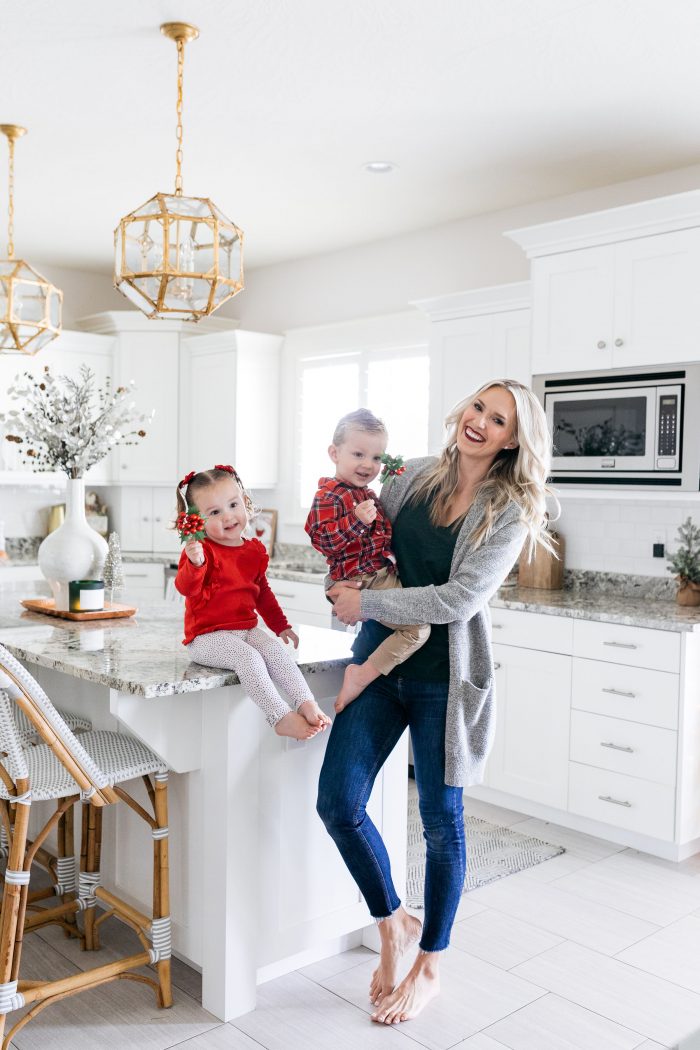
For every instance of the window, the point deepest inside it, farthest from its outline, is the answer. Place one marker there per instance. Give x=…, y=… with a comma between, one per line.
x=392, y=384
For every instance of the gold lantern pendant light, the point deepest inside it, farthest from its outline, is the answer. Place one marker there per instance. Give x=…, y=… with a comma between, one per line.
x=30, y=306
x=177, y=256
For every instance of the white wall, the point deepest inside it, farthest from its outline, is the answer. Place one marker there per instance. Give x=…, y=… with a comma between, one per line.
x=25, y=508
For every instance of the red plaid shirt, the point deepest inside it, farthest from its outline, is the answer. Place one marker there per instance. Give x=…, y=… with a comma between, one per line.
x=349, y=546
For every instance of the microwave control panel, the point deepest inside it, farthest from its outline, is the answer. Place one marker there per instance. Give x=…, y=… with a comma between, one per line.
x=668, y=427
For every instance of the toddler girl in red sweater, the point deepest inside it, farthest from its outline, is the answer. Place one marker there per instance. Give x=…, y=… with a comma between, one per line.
x=223, y=580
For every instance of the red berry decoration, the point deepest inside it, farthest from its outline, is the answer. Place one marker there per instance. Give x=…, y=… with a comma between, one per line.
x=190, y=525
x=393, y=466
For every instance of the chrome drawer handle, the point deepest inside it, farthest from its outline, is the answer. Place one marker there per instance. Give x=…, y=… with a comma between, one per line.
x=621, y=645
x=619, y=692
x=615, y=801
x=136, y=575
x=618, y=747
x=497, y=666
x=283, y=594
x=497, y=626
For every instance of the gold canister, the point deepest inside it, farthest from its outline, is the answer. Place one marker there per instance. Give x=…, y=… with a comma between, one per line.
x=57, y=515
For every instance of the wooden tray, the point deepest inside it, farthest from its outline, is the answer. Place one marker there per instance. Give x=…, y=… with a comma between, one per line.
x=46, y=606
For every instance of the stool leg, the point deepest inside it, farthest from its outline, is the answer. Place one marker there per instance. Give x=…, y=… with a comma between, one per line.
x=161, y=885
x=12, y=916
x=65, y=854
x=89, y=877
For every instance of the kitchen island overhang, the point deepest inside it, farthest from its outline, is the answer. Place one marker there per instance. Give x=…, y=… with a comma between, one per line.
x=257, y=886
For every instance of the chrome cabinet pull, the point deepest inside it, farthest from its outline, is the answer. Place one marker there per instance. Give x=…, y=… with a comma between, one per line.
x=497, y=666
x=619, y=342
x=617, y=747
x=497, y=626
x=283, y=594
x=619, y=692
x=601, y=344
x=136, y=575
x=615, y=801
x=621, y=645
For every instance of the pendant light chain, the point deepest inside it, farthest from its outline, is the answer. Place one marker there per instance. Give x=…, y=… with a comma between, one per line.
x=178, y=152
x=11, y=205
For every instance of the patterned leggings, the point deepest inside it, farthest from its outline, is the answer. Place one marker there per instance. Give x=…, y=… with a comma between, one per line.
x=260, y=663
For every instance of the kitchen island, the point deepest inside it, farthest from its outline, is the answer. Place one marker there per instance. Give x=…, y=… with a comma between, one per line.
x=257, y=886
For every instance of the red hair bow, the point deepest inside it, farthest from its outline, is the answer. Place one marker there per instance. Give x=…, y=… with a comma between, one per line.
x=187, y=479
x=224, y=466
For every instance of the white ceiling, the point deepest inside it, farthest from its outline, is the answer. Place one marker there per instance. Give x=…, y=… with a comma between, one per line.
x=483, y=104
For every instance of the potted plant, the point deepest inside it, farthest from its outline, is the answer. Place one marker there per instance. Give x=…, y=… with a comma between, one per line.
x=685, y=564
x=69, y=424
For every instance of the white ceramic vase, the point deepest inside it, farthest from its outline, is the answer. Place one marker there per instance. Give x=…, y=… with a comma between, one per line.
x=74, y=551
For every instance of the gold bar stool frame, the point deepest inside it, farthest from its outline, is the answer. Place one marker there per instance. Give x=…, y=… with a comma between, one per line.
x=69, y=769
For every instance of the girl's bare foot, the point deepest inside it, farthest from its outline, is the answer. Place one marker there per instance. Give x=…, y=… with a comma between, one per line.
x=313, y=714
x=397, y=933
x=419, y=986
x=296, y=726
x=356, y=678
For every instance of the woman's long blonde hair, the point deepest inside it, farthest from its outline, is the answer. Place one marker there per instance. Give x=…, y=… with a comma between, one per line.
x=516, y=475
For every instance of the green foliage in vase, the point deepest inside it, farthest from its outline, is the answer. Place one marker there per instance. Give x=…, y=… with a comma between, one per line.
x=685, y=560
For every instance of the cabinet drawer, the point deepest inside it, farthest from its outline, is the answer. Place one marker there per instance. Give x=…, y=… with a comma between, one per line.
x=624, y=747
x=622, y=801
x=634, y=646
x=551, y=634
x=308, y=597
x=144, y=574
x=635, y=693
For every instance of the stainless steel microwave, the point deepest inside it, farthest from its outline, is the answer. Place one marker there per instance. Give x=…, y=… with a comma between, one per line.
x=631, y=428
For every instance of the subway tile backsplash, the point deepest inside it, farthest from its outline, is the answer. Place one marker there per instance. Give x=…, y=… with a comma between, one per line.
x=606, y=535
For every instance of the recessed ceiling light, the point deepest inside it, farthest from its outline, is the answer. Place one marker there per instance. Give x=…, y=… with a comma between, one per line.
x=379, y=167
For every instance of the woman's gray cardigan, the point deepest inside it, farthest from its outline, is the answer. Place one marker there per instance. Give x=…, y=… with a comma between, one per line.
x=475, y=575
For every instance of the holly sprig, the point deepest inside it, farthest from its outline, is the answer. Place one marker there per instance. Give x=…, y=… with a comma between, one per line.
x=190, y=525
x=393, y=466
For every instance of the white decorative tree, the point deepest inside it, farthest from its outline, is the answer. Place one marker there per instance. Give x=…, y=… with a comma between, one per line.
x=113, y=570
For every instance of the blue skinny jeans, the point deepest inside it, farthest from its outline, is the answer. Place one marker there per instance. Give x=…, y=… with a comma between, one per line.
x=362, y=737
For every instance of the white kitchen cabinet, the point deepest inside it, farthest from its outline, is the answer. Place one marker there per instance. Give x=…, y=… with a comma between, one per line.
x=530, y=752
x=616, y=289
x=229, y=406
x=141, y=515
x=302, y=602
x=144, y=583
x=475, y=336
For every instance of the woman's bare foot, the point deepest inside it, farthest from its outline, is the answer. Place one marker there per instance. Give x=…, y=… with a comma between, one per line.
x=419, y=986
x=356, y=678
x=397, y=933
x=313, y=714
x=296, y=726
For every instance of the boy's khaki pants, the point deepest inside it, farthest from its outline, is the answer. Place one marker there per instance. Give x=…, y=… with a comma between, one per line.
x=406, y=639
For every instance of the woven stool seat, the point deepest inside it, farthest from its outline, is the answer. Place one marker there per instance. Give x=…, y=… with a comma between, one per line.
x=28, y=734
x=119, y=757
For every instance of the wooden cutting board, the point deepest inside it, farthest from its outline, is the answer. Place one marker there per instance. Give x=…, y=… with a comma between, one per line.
x=47, y=606
x=544, y=571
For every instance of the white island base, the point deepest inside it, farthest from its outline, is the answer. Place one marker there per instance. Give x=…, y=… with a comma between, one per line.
x=257, y=885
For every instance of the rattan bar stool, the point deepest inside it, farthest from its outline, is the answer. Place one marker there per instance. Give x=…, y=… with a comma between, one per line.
x=69, y=769
x=60, y=866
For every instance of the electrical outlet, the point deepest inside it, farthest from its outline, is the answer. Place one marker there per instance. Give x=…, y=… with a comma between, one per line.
x=659, y=550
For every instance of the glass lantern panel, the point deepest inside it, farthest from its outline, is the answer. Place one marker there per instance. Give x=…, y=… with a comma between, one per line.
x=41, y=340
x=190, y=207
x=24, y=271
x=204, y=254
x=229, y=253
x=135, y=296
x=55, y=308
x=222, y=292
x=7, y=267
x=28, y=302
x=7, y=339
x=143, y=246
x=151, y=207
x=218, y=214
x=187, y=293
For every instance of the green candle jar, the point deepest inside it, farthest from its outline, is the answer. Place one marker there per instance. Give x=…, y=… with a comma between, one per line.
x=86, y=595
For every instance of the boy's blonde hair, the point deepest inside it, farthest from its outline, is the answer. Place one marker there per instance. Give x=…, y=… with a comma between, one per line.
x=360, y=419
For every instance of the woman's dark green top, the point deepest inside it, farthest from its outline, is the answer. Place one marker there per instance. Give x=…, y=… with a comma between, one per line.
x=423, y=556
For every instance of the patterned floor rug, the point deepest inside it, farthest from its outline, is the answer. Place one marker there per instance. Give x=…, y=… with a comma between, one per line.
x=492, y=853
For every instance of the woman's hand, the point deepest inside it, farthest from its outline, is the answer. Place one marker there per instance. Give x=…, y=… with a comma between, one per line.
x=346, y=601
x=288, y=635
x=195, y=552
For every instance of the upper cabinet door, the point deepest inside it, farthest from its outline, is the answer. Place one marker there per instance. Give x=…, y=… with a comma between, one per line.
x=510, y=342
x=150, y=359
x=573, y=302
x=657, y=307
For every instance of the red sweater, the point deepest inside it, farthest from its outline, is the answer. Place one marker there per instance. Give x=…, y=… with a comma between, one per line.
x=224, y=593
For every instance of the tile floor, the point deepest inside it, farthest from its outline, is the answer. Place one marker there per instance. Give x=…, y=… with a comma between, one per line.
x=597, y=949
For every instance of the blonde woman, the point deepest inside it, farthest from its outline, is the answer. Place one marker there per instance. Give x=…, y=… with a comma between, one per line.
x=460, y=522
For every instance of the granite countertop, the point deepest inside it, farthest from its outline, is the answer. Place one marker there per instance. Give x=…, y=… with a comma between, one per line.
x=143, y=655
x=590, y=604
